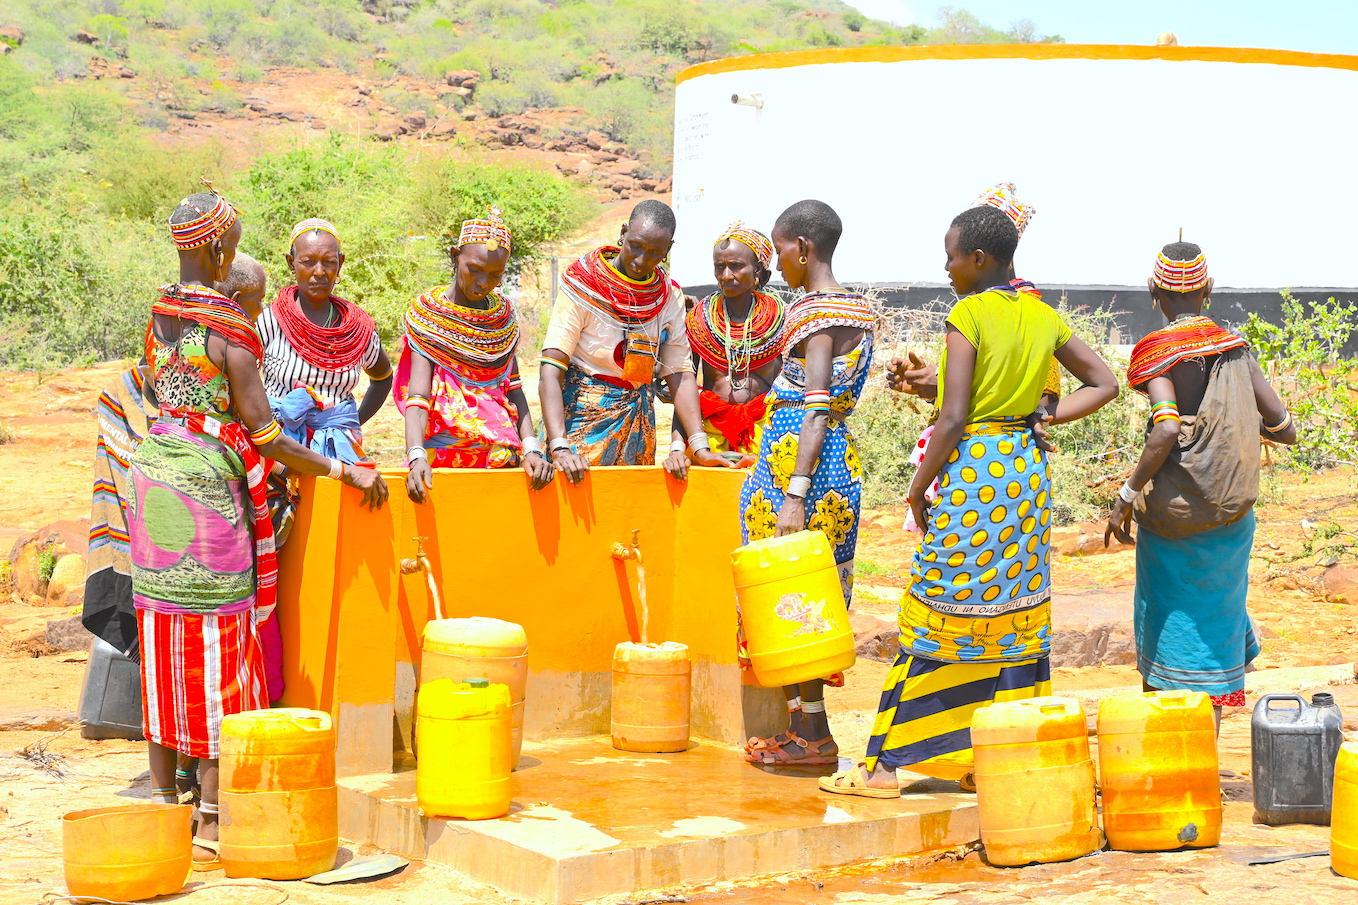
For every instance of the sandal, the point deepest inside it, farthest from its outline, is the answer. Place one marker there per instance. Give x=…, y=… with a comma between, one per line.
x=967, y=783
x=854, y=782
x=213, y=846
x=812, y=756
x=775, y=741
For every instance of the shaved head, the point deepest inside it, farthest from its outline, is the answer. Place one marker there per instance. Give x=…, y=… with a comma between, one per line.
x=246, y=284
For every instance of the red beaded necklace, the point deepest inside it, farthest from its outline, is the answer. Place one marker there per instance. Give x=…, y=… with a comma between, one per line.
x=338, y=347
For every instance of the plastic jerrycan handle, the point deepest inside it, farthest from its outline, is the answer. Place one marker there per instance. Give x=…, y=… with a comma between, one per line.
x=1267, y=703
x=1173, y=698
x=1053, y=709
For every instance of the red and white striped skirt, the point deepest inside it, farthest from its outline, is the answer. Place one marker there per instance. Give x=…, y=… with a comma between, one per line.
x=194, y=671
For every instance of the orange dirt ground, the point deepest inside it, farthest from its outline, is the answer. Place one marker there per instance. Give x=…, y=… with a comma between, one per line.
x=45, y=475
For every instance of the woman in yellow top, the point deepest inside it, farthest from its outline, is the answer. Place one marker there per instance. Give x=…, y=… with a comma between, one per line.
x=976, y=620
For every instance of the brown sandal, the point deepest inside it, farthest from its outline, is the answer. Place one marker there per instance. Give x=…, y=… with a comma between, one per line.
x=967, y=783
x=811, y=758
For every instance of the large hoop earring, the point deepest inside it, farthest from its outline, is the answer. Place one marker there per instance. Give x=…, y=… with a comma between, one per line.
x=802, y=259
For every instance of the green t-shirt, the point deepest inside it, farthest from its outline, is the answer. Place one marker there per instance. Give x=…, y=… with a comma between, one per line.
x=1015, y=335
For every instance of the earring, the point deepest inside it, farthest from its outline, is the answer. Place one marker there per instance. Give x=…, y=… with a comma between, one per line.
x=802, y=259
x=221, y=258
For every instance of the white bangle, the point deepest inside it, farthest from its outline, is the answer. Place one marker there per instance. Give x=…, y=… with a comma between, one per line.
x=699, y=443
x=416, y=452
x=336, y=469
x=799, y=485
x=559, y=444
x=677, y=446
x=1127, y=494
x=531, y=445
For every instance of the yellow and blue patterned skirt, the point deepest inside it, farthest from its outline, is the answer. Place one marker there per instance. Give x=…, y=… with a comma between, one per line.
x=976, y=620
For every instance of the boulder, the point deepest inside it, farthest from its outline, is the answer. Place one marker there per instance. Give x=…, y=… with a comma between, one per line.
x=665, y=187
x=1093, y=628
x=584, y=167
x=460, y=77
x=125, y=73
x=1341, y=583
x=317, y=123
x=625, y=167
x=85, y=37
x=416, y=120
x=11, y=36
x=874, y=637
x=68, y=634
x=67, y=584
x=593, y=140
x=388, y=131
x=443, y=130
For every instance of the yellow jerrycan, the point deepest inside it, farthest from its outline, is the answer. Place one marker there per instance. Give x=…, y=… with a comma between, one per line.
x=1344, y=816
x=650, y=697
x=484, y=648
x=279, y=806
x=1158, y=771
x=464, y=761
x=1035, y=781
x=127, y=853
x=792, y=609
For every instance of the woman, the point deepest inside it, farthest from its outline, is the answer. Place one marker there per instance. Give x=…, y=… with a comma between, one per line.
x=315, y=345
x=976, y=619
x=737, y=338
x=808, y=475
x=203, y=565
x=458, y=380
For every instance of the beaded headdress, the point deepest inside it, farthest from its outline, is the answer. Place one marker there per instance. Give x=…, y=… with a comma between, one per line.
x=755, y=240
x=1002, y=197
x=205, y=227
x=308, y=225
x=492, y=231
x=1180, y=276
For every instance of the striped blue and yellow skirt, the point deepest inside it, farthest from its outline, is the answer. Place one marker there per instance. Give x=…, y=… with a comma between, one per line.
x=976, y=619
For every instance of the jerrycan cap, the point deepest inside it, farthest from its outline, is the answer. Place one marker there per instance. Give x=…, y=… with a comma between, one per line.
x=1322, y=699
x=477, y=683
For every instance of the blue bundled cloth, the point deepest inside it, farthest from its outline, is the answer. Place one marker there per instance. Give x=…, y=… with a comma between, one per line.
x=331, y=431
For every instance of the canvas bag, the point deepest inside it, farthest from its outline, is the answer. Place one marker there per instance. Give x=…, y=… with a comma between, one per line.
x=1211, y=477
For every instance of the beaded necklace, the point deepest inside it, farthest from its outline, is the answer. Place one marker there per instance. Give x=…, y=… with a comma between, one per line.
x=475, y=343
x=737, y=349
x=593, y=281
x=329, y=348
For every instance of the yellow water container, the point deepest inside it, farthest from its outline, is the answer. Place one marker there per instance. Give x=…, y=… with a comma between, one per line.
x=126, y=853
x=482, y=648
x=650, y=697
x=1035, y=781
x=1158, y=771
x=792, y=609
x=279, y=807
x=464, y=761
x=1344, y=815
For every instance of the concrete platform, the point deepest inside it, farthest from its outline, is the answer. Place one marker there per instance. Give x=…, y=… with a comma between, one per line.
x=589, y=821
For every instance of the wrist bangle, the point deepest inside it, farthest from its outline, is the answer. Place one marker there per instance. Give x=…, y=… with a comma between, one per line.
x=799, y=485
x=336, y=469
x=699, y=443
x=531, y=444
x=1281, y=425
x=677, y=446
x=1127, y=493
x=416, y=452
x=560, y=444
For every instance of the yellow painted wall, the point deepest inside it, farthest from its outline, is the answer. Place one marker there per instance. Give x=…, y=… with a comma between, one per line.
x=351, y=623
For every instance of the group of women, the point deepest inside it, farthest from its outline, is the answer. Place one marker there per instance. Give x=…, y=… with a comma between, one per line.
x=245, y=405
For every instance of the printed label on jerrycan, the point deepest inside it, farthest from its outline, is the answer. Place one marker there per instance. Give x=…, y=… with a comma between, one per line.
x=809, y=615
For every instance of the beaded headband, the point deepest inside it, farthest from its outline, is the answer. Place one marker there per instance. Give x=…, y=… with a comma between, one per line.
x=1002, y=197
x=492, y=231
x=1180, y=276
x=756, y=241
x=308, y=225
x=208, y=225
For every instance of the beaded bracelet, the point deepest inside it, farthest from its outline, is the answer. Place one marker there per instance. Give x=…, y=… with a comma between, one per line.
x=1164, y=411
x=544, y=360
x=266, y=433
x=1281, y=425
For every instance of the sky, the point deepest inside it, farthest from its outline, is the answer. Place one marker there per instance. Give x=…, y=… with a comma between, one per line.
x=1318, y=26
